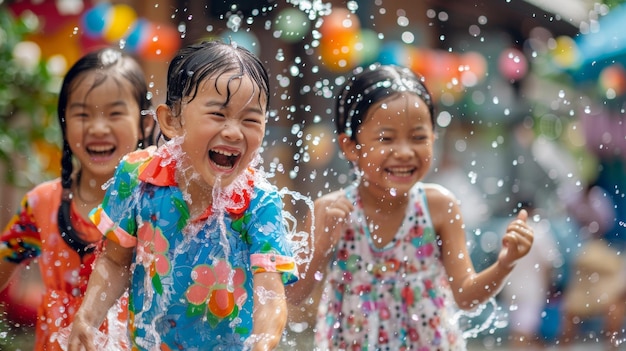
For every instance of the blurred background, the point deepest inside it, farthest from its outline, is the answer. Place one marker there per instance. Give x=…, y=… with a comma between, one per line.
x=530, y=113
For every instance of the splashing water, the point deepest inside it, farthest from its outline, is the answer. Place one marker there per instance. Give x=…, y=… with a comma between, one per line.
x=314, y=9
x=488, y=312
x=265, y=295
x=302, y=242
x=116, y=340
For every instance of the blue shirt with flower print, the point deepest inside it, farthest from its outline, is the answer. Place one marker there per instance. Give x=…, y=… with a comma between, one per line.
x=191, y=283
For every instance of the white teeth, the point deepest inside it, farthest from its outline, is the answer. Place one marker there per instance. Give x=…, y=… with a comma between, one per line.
x=225, y=153
x=100, y=148
x=401, y=170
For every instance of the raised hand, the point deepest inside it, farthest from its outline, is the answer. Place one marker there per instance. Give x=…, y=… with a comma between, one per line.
x=331, y=212
x=517, y=240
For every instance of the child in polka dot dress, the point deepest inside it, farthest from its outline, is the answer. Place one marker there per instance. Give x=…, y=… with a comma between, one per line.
x=392, y=248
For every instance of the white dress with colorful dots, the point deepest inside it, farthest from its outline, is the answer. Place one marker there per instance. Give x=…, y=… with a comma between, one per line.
x=392, y=298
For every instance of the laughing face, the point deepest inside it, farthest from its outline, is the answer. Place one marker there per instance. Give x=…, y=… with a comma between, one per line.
x=220, y=130
x=102, y=122
x=394, y=145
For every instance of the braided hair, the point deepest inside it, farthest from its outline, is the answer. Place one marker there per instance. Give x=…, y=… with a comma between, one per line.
x=104, y=60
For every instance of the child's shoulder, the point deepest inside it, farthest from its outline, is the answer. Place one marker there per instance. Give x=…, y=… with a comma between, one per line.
x=134, y=163
x=140, y=156
x=437, y=194
x=47, y=188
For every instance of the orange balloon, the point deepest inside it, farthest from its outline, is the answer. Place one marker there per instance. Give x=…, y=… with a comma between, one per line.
x=613, y=77
x=338, y=43
x=162, y=42
x=445, y=66
x=340, y=20
x=339, y=53
x=474, y=62
x=419, y=61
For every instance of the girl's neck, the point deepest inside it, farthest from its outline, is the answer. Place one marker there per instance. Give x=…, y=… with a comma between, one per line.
x=197, y=196
x=383, y=201
x=88, y=189
x=383, y=213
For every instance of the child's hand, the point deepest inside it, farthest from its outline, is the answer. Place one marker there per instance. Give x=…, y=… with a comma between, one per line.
x=331, y=212
x=81, y=336
x=516, y=241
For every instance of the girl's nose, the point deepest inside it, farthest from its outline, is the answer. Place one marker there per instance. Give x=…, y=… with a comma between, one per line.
x=403, y=150
x=99, y=125
x=232, y=131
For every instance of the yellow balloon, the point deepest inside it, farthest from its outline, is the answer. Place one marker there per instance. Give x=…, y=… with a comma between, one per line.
x=565, y=52
x=121, y=18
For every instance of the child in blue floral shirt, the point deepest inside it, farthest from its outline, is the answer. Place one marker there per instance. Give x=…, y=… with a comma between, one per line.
x=192, y=229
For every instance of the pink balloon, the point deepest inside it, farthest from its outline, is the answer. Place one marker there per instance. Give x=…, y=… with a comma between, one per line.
x=512, y=64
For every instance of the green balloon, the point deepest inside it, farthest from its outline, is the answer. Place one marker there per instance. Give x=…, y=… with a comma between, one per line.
x=292, y=25
x=369, y=47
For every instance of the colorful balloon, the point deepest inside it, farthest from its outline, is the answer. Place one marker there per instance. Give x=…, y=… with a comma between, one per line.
x=565, y=52
x=394, y=53
x=472, y=69
x=292, y=24
x=512, y=64
x=613, y=78
x=243, y=38
x=337, y=48
x=137, y=36
x=95, y=20
x=368, y=45
x=338, y=52
x=120, y=19
x=162, y=42
x=340, y=20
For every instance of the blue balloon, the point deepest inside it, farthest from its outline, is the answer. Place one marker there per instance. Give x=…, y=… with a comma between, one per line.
x=135, y=39
x=602, y=48
x=94, y=20
x=392, y=53
x=245, y=39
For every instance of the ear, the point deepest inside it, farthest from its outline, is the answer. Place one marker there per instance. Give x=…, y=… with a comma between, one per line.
x=348, y=147
x=168, y=124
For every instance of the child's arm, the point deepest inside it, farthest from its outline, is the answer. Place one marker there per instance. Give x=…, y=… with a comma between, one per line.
x=108, y=281
x=331, y=211
x=470, y=288
x=270, y=311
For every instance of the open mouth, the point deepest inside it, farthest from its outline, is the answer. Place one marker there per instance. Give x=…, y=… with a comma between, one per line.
x=401, y=171
x=100, y=151
x=224, y=159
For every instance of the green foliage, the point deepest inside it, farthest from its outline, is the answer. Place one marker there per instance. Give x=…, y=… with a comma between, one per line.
x=613, y=3
x=27, y=102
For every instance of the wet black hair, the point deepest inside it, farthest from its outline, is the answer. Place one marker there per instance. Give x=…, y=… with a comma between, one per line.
x=195, y=63
x=368, y=85
x=106, y=60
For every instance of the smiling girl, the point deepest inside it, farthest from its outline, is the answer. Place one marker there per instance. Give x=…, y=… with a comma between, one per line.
x=192, y=228
x=391, y=249
x=103, y=111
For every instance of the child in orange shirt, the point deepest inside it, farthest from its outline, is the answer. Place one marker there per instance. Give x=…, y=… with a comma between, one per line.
x=102, y=110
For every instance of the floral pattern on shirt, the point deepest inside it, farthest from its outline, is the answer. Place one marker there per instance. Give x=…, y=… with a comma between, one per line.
x=192, y=278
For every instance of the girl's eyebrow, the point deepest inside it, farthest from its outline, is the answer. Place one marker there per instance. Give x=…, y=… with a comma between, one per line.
x=83, y=105
x=390, y=129
x=214, y=102
x=220, y=104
